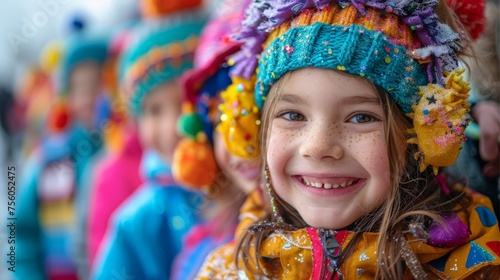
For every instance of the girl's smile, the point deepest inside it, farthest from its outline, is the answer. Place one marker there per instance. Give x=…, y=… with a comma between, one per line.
x=329, y=186
x=327, y=181
x=327, y=152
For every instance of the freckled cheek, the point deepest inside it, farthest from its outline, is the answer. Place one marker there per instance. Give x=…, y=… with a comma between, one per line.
x=281, y=145
x=371, y=148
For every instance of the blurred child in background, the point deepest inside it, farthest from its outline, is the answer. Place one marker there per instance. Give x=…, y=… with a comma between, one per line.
x=53, y=187
x=145, y=232
x=201, y=160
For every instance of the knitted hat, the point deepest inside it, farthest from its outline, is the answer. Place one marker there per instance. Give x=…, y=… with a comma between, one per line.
x=400, y=46
x=194, y=162
x=161, y=50
x=81, y=47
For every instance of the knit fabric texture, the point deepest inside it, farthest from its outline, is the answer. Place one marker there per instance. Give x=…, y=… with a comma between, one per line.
x=414, y=27
x=161, y=51
x=353, y=49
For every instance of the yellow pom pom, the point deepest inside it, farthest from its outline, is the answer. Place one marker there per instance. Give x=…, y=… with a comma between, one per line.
x=240, y=119
x=51, y=57
x=439, y=120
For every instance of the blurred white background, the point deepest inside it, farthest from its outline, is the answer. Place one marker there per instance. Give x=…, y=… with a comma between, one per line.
x=27, y=25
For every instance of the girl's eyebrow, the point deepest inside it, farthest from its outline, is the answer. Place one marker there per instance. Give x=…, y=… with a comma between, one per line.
x=357, y=99
x=292, y=98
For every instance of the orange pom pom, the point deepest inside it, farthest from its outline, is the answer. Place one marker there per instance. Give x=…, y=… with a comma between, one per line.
x=194, y=163
x=159, y=8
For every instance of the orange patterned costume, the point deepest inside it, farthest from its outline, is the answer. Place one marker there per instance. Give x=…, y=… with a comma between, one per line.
x=294, y=254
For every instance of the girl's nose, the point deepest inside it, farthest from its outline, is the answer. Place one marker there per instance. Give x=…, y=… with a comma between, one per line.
x=321, y=142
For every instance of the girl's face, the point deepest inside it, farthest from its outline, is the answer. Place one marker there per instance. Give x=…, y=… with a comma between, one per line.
x=327, y=153
x=242, y=173
x=84, y=88
x=158, y=121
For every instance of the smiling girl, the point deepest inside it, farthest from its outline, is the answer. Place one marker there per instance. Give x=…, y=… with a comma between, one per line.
x=361, y=104
x=335, y=161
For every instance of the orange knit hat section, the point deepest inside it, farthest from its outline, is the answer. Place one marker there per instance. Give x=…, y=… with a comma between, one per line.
x=389, y=24
x=160, y=8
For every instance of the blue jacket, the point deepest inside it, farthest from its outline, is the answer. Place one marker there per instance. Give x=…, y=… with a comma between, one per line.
x=145, y=233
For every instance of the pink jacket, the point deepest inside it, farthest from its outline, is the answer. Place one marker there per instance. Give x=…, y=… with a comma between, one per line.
x=117, y=177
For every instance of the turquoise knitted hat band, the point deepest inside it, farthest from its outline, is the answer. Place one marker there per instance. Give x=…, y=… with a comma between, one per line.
x=353, y=49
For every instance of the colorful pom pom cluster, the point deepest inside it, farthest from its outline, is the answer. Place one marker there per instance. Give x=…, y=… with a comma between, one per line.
x=193, y=151
x=194, y=161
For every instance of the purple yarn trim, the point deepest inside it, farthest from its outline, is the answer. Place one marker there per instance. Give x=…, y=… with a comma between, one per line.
x=262, y=16
x=419, y=22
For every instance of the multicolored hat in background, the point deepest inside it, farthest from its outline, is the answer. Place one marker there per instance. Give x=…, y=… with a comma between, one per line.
x=400, y=46
x=194, y=162
x=162, y=47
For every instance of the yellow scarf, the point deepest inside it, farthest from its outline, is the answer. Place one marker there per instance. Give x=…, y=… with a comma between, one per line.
x=296, y=254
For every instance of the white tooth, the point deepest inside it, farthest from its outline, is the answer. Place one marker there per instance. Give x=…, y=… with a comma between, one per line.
x=350, y=182
x=335, y=186
x=327, y=186
x=343, y=185
x=318, y=185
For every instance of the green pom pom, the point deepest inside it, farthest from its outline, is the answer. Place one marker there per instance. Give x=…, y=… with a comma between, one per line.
x=189, y=125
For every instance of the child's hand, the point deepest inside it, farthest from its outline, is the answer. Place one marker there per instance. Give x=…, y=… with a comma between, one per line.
x=487, y=115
